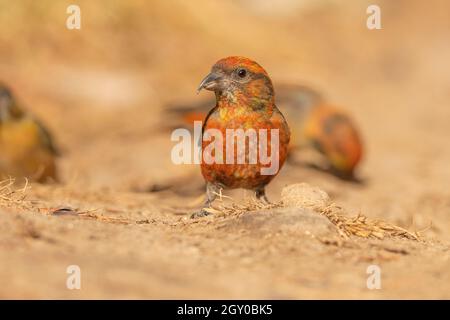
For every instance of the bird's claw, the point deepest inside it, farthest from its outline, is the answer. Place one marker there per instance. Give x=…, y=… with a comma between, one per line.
x=265, y=201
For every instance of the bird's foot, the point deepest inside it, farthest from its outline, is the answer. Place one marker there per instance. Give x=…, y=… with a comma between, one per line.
x=261, y=196
x=265, y=200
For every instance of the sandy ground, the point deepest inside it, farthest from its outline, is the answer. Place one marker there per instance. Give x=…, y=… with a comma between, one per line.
x=102, y=91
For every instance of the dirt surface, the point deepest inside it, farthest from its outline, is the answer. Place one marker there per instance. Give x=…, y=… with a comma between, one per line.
x=102, y=91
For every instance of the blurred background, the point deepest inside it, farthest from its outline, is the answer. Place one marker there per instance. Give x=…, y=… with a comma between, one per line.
x=102, y=90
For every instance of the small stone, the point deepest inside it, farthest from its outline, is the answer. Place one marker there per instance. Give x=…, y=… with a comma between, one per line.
x=305, y=196
x=301, y=221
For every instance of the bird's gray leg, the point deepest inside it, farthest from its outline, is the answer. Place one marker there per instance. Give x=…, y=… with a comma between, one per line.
x=211, y=195
x=261, y=195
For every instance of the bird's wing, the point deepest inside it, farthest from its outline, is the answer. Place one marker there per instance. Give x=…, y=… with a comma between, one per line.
x=279, y=120
x=204, y=123
x=47, y=139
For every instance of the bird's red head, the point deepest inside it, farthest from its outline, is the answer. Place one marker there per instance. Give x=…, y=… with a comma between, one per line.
x=239, y=79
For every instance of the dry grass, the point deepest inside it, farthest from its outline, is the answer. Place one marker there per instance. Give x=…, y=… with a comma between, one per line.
x=362, y=226
x=224, y=209
x=359, y=226
x=12, y=196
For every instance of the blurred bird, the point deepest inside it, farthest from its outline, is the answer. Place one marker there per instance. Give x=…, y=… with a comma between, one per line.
x=331, y=132
x=314, y=124
x=244, y=100
x=26, y=147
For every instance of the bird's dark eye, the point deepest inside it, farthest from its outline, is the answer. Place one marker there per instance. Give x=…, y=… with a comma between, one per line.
x=242, y=73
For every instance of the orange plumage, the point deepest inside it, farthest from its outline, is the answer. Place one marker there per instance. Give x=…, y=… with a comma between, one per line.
x=314, y=123
x=26, y=147
x=244, y=100
x=333, y=133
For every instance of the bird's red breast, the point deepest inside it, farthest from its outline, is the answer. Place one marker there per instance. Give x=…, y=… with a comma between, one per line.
x=246, y=103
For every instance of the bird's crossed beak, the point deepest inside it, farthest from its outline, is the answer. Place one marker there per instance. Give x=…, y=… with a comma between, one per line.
x=210, y=82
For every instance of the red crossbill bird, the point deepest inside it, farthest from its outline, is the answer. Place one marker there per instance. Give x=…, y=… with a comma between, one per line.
x=244, y=100
x=26, y=147
x=331, y=132
x=314, y=124
x=319, y=125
